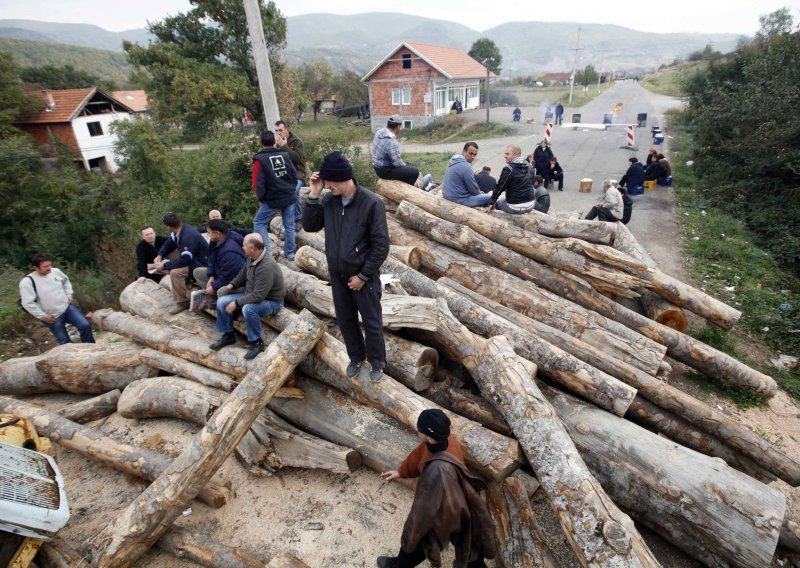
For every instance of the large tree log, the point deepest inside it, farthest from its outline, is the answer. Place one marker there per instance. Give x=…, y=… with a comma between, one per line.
x=79, y=368
x=538, y=222
x=790, y=536
x=180, y=398
x=655, y=306
x=94, y=408
x=575, y=256
x=599, y=533
x=127, y=458
x=56, y=554
x=471, y=406
x=520, y=542
x=688, y=350
x=205, y=551
x=148, y=516
x=715, y=513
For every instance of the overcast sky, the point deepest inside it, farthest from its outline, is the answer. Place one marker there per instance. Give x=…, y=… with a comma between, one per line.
x=717, y=16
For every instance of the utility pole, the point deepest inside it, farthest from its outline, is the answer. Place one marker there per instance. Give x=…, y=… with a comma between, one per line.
x=486, y=63
x=575, y=64
x=261, y=57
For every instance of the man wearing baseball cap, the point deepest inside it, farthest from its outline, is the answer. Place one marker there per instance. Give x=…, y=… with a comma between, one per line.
x=386, y=156
x=447, y=506
x=356, y=245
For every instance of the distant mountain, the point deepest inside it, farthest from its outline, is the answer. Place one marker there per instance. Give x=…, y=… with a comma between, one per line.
x=360, y=41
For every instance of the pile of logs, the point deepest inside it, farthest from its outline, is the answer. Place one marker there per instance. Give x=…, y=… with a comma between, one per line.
x=545, y=340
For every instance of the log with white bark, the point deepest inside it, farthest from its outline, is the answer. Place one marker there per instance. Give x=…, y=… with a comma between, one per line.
x=598, y=532
x=655, y=306
x=714, y=512
x=79, y=368
x=538, y=222
x=91, y=409
x=685, y=349
x=127, y=458
x=575, y=256
x=312, y=261
x=137, y=528
x=180, y=398
x=519, y=538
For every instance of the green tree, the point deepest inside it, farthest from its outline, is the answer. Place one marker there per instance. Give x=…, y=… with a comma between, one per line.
x=14, y=101
x=350, y=90
x=317, y=82
x=774, y=24
x=588, y=76
x=485, y=52
x=64, y=77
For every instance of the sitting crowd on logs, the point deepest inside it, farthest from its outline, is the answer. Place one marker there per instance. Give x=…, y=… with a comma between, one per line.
x=495, y=348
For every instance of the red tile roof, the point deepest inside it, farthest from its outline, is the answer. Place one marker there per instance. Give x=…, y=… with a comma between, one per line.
x=63, y=104
x=136, y=100
x=451, y=62
x=557, y=76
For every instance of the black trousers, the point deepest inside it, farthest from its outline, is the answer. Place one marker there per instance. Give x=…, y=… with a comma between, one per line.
x=550, y=176
x=367, y=302
x=408, y=174
x=602, y=214
x=417, y=556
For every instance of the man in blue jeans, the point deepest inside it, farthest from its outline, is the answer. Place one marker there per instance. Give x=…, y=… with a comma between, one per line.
x=46, y=294
x=460, y=184
x=264, y=291
x=274, y=183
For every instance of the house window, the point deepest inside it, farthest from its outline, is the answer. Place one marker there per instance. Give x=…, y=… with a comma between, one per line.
x=407, y=124
x=440, y=98
x=406, y=61
x=406, y=94
x=472, y=92
x=95, y=129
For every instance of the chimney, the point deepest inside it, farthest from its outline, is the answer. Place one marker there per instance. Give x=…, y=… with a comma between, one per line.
x=51, y=103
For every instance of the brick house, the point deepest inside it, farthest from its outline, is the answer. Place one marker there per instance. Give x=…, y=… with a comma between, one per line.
x=420, y=82
x=78, y=119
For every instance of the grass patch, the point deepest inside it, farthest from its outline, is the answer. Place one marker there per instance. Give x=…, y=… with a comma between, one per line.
x=669, y=81
x=434, y=163
x=717, y=338
x=451, y=126
x=11, y=316
x=742, y=399
x=311, y=129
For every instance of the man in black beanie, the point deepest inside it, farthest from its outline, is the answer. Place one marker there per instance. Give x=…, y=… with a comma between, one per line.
x=356, y=245
x=447, y=506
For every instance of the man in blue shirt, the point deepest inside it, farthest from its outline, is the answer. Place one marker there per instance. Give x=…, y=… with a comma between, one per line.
x=460, y=185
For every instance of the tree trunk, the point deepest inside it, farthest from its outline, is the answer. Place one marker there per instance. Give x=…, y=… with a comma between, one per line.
x=205, y=551
x=599, y=533
x=486, y=452
x=543, y=224
x=383, y=442
x=312, y=261
x=790, y=536
x=127, y=458
x=471, y=406
x=715, y=513
x=655, y=306
x=520, y=542
x=685, y=349
x=92, y=409
x=179, y=398
x=56, y=554
x=407, y=255
x=571, y=255
x=147, y=517
x=78, y=368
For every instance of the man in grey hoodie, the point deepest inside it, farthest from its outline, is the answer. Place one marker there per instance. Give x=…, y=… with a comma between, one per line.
x=460, y=185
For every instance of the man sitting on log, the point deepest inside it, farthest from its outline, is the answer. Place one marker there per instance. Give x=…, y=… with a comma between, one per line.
x=192, y=251
x=460, y=185
x=356, y=245
x=386, y=158
x=516, y=181
x=610, y=207
x=146, y=252
x=446, y=507
x=264, y=292
x=225, y=259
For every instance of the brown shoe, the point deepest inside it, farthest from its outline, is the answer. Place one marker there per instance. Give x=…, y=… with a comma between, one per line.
x=178, y=307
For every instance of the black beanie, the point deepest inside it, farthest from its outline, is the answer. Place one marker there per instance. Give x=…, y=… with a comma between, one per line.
x=335, y=167
x=434, y=423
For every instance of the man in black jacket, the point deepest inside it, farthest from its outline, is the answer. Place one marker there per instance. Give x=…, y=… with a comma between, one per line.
x=146, y=253
x=286, y=140
x=274, y=183
x=356, y=245
x=517, y=183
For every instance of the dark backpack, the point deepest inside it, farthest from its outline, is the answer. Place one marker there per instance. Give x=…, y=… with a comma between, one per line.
x=35, y=293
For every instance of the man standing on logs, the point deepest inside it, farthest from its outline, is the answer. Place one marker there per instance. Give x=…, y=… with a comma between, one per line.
x=446, y=507
x=264, y=292
x=292, y=145
x=356, y=245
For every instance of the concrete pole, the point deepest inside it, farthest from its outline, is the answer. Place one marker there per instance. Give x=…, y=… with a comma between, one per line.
x=261, y=57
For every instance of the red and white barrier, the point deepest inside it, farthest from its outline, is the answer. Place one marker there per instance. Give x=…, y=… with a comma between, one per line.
x=629, y=136
x=548, y=132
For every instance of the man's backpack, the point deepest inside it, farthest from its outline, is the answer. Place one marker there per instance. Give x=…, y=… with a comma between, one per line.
x=35, y=293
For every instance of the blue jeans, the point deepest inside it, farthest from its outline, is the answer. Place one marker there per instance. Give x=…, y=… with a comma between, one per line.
x=474, y=200
x=252, y=315
x=298, y=206
x=265, y=215
x=74, y=316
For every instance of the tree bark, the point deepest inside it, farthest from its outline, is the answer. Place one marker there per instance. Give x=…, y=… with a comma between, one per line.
x=586, y=260
x=790, y=536
x=543, y=224
x=92, y=409
x=471, y=406
x=78, y=368
x=127, y=458
x=655, y=306
x=685, y=349
x=56, y=554
x=148, y=516
x=312, y=261
x=599, y=533
x=520, y=542
x=715, y=513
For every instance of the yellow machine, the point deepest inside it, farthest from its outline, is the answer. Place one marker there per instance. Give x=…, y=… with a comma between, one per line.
x=33, y=505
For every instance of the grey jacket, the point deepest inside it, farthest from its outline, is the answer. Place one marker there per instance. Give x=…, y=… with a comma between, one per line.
x=459, y=181
x=262, y=280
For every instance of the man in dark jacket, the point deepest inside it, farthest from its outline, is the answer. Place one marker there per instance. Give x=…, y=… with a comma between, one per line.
x=554, y=173
x=264, y=291
x=447, y=506
x=559, y=113
x=192, y=251
x=225, y=258
x=541, y=195
x=356, y=245
x=541, y=157
x=292, y=145
x=275, y=184
x=146, y=253
x=516, y=182
x=633, y=180
x=486, y=181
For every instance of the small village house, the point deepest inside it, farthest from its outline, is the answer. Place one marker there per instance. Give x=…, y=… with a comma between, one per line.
x=135, y=99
